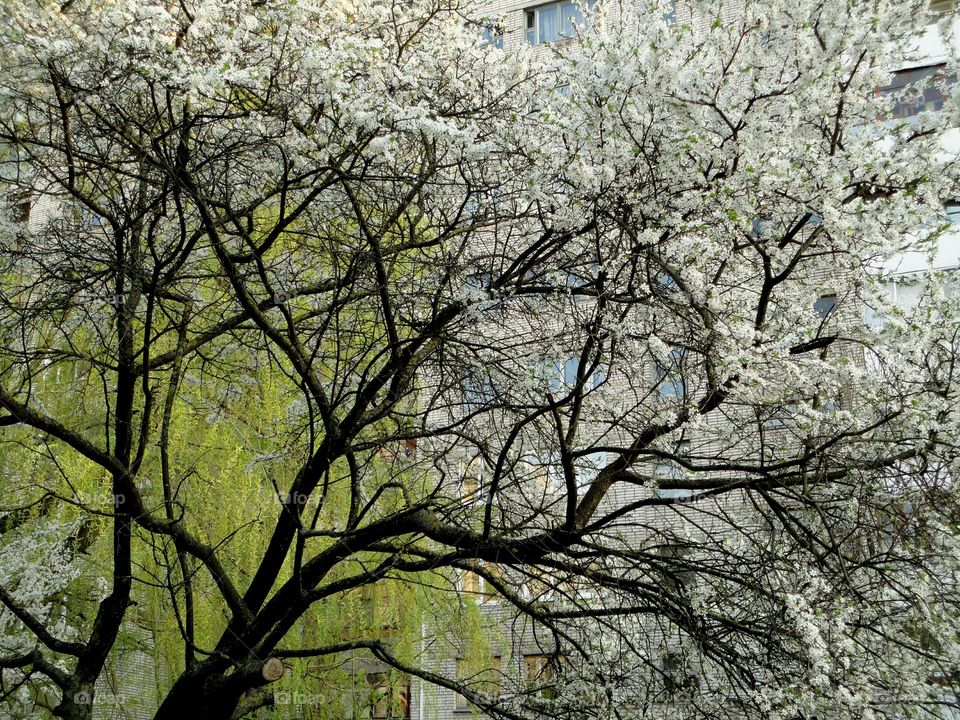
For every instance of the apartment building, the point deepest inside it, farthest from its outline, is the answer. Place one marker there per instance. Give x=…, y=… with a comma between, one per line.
x=515, y=656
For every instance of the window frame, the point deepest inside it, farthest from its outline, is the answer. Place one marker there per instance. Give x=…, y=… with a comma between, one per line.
x=670, y=380
x=668, y=471
x=476, y=586
x=461, y=669
x=532, y=24
x=927, y=79
x=546, y=669
x=470, y=476
x=386, y=697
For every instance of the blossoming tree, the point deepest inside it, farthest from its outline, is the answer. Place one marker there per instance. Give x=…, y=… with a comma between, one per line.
x=321, y=296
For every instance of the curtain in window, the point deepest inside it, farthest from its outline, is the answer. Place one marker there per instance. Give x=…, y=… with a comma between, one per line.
x=570, y=16
x=549, y=22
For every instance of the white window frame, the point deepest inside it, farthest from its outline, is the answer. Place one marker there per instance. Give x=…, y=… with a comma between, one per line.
x=471, y=470
x=531, y=20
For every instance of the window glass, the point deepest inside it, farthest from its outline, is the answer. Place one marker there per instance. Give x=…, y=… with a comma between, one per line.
x=546, y=468
x=666, y=471
x=571, y=18
x=942, y=7
x=479, y=281
x=825, y=305
x=570, y=366
x=478, y=392
x=917, y=90
x=389, y=696
x=483, y=677
x=471, y=479
x=493, y=35
x=548, y=20
x=669, y=378
x=671, y=14
x=561, y=376
x=555, y=21
x=461, y=702
x=539, y=676
x=952, y=209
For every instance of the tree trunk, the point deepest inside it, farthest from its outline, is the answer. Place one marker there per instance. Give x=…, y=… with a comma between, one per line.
x=76, y=705
x=207, y=693
x=191, y=697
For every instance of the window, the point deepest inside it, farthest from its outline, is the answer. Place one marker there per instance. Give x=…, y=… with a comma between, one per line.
x=471, y=480
x=389, y=696
x=825, y=306
x=492, y=34
x=556, y=21
x=676, y=569
x=90, y=219
x=461, y=703
x=479, y=283
x=21, y=211
x=664, y=284
x=669, y=378
x=671, y=14
x=582, y=277
x=677, y=678
x=477, y=393
x=666, y=471
x=762, y=226
x=476, y=586
x=570, y=367
x=780, y=417
x=539, y=676
x=917, y=90
x=942, y=7
x=561, y=376
x=481, y=676
x=547, y=470
x=952, y=210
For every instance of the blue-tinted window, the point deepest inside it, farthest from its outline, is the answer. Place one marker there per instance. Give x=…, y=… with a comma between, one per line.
x=493, y=35
x=91, y=219
x=669, y=378
x=952, y=209
x=825, y=305
x=570, y=366
x=561, y=375
x=570, y=19
x=917, y=90
x=762, y=225
x=671, y=15
x=478, y=392
x=479, y=282
x=664, y=284
x=555, y=21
